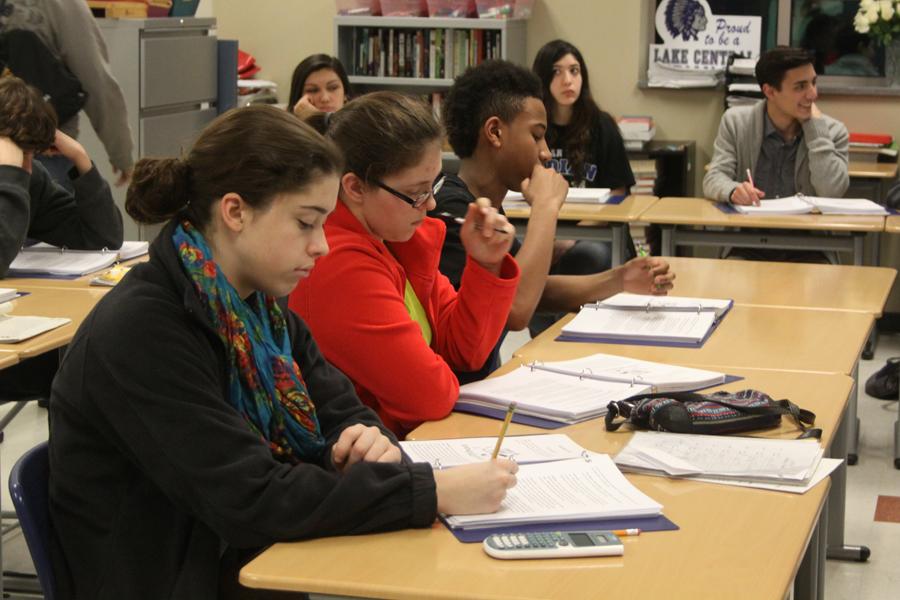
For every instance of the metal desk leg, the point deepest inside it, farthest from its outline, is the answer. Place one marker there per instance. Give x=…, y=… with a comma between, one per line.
x=618, y=243
x=858, y=248
x=853, y=420
x=806, y=583
x=668, y=242
x=837, y=498
x=897, y=442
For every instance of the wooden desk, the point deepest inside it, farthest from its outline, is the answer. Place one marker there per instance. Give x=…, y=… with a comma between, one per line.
x=800, y=232
x=872, y=170
x=892, y=224
x=52, y=302
x=597, y=217
x=773, y=529
x=759, y=337
x=793, y=285
x=8, y=359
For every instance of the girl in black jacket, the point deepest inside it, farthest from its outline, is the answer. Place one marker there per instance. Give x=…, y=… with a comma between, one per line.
x=192, y=421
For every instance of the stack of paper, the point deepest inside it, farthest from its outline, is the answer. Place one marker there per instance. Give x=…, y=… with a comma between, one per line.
x=547, y=395
x=524, y=449
x=800, y=204
x=661, y=377
x=575, y=196
x=791, y=205
x=724, y=459
x=63, y=264
x=647, y=319
x=846, y=206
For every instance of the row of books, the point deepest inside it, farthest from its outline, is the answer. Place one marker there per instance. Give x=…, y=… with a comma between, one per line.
x=423, y=53
x=636, y=131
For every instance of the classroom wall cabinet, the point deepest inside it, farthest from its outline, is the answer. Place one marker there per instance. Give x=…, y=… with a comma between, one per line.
x=167, y=69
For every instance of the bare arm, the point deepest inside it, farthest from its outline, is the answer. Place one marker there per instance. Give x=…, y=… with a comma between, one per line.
x=646, y=275
x=545, y=191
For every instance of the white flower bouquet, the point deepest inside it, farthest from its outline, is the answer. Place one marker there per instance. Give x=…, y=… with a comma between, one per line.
x=880, y=19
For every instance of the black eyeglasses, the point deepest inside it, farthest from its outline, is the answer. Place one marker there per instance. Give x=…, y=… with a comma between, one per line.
x=419, y=199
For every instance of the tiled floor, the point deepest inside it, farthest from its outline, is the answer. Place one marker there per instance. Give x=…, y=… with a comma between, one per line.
x=874, y=475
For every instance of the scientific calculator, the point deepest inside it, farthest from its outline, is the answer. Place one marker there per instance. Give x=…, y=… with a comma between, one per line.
x=553, y=544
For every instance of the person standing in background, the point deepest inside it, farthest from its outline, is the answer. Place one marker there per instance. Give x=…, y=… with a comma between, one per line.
x=68, y=29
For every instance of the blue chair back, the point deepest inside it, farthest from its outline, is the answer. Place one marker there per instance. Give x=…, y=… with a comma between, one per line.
x=29, y=487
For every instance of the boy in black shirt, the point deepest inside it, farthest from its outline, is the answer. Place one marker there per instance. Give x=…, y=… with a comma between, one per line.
x=496, y=123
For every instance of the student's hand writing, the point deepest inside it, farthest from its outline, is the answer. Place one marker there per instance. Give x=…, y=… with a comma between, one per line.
x=746, y=194
x=304, y=107
x=72, y=150
x=545, y=189
x=359, y=443
x=486, y=235
x=474, y=489
x=647, y=275
x=10, y=153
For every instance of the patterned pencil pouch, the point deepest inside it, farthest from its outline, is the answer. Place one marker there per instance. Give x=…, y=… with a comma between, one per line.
x=716, y=413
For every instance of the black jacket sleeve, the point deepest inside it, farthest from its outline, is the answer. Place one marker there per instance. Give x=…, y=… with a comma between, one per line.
x=14, y=213
x=87, y=220
x=157, y=380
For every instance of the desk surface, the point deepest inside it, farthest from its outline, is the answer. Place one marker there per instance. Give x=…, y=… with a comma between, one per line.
x=892, y=224
x=629, y=210
x=8, y=359
x=431, y=563
x=874, y=170
x=761, y=337
x=699, y=211
x=52, y=302
x=794, y=285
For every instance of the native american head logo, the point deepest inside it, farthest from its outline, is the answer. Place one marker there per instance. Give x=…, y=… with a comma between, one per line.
x=685, y=19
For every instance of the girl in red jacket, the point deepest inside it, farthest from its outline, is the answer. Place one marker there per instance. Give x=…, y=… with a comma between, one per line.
x=377, y=304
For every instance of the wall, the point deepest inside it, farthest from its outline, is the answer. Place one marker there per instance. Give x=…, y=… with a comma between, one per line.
x=280, y=33
x=611, y=35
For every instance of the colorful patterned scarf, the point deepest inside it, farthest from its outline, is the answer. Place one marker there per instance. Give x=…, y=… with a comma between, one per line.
x=265, y=384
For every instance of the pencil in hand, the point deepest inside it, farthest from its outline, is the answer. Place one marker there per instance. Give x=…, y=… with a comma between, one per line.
x=503, y=428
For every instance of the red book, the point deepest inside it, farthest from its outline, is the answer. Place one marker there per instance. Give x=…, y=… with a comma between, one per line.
x=874, y=139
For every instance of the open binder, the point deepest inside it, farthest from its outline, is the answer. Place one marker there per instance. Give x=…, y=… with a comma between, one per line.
x=800, y=204
x=550, y=394
x=559, y=483
x=648, y=320
x=44, y=260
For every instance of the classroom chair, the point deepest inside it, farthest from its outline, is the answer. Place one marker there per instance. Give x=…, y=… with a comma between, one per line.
x=29, y=488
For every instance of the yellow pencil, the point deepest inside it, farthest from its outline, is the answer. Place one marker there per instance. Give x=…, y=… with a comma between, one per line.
x=509, y=414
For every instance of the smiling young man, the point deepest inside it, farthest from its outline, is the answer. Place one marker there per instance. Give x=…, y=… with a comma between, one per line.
x=785, y=141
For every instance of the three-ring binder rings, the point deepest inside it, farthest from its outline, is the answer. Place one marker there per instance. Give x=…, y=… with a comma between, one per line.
x=657, y=320
x=572, y=391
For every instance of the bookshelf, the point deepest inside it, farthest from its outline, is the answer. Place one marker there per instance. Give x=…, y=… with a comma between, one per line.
x=505, y=38
x=501, y=38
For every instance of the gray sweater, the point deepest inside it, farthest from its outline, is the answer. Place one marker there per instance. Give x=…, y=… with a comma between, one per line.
x=68, y=29
x=821, y=167
x=35, y=206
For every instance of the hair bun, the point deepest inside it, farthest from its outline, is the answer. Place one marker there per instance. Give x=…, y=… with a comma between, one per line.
x=159, y=190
